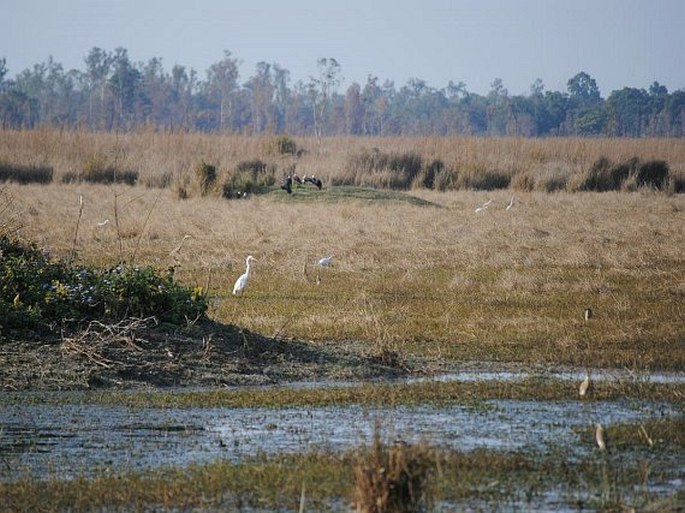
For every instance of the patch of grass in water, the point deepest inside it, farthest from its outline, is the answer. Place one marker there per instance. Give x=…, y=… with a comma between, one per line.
x=386, y=394
x=327, y=481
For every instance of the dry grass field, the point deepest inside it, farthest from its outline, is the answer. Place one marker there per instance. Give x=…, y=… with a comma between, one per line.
x=432, y=278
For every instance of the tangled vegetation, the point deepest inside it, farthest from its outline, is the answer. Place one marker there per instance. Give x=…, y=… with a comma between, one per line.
x=38, y=293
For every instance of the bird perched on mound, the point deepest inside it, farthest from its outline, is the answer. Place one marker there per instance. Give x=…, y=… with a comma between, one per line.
x=314, y=181
x=288, y=185
x=241, y=282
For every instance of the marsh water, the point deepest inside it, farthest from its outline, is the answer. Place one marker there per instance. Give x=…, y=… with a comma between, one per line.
x=42, y=440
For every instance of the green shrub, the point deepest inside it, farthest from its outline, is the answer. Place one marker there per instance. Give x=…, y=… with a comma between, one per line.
x=25, y=174
x=37, y=293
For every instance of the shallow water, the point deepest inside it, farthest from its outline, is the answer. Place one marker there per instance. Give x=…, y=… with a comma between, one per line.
x=71, y=440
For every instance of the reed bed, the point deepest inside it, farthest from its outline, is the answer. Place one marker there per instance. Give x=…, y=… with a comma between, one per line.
x=169, y=159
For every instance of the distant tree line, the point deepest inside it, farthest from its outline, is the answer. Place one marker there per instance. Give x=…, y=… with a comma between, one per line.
x=113, y=93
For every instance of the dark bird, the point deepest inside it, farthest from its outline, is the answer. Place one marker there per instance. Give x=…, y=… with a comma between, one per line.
x=314, y=181
x=288, y=185
x=297, y=179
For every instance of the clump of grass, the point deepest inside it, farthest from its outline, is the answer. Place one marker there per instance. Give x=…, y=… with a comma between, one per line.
x=392, y=478
x=480, y=178
x=653, y=173
x=630, y=174
x=25, y=174
x=205, y=177
x=385, y=170
x=97, y=169
x=546, y=176
x=249, y=176
x=9, y=216
x=284, y=145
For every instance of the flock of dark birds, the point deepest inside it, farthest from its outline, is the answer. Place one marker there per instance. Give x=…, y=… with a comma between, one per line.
x=288, y=182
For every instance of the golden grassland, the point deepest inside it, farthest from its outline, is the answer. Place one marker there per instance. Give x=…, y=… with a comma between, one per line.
x=440, y=281
x=163, y=157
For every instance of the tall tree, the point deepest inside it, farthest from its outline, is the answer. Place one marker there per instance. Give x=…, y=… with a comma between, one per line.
x=98, y=66
x=222, y=85
x=320, y=90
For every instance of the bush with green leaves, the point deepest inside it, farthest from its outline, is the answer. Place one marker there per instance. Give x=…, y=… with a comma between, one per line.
x=37, y=293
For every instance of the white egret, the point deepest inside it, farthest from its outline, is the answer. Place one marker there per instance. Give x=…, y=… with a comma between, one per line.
x=484, y=206
x=325, y=261
x=600, y=437
x=103, y=223
x=178, y=248
x=241, y=282
x=584, y=385
x=511, y=204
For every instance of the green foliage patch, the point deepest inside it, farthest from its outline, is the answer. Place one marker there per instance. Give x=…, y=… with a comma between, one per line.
x=37, y=292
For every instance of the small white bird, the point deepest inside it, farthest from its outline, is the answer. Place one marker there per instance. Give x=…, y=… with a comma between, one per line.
x=600, y=437
x=584, y=385
x=587, y=314
x=241, y=282
x=484, y=206
x=178, y=248
x=511, y=204
x=325, y=261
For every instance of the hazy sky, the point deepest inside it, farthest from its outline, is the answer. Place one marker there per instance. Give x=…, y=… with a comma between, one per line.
x=618, y=42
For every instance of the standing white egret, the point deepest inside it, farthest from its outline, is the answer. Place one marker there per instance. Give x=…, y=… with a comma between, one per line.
x=600, y=437
x=325, y=261
x=511, y=204
x=178, y=248
x=241, y=282
x=484, y=206
x=584, y=385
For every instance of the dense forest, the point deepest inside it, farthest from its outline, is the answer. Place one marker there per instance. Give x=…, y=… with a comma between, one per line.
x=114, y=93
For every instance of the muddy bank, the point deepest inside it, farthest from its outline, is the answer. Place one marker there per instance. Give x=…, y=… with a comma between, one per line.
x=140, y=353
